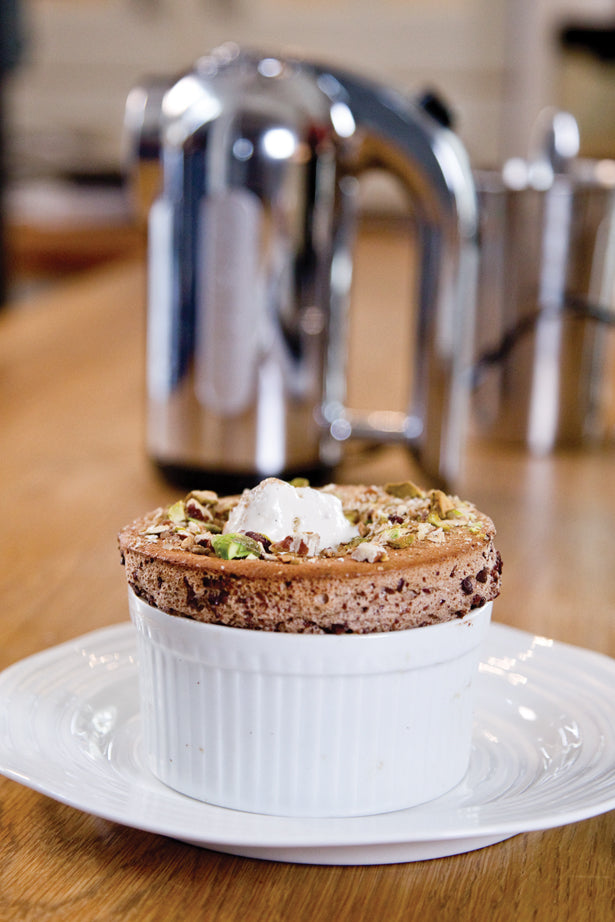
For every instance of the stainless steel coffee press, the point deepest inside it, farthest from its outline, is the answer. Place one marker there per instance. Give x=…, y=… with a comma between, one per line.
x=545, y=340
x=248, y=166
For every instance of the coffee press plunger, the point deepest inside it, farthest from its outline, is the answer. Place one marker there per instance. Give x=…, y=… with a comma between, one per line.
x=248, y=167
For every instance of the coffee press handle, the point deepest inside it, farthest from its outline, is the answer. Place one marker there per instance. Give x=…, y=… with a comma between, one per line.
x=404, y=138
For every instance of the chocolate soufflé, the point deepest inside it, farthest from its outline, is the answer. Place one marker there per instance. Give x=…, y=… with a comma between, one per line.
x=410, y=557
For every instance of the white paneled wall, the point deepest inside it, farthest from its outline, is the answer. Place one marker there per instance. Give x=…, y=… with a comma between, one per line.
x=84, y=55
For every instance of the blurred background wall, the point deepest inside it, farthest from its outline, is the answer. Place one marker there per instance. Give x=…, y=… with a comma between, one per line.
x=495, y=62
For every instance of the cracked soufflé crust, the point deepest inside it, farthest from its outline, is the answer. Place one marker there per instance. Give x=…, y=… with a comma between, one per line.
x=421, y=558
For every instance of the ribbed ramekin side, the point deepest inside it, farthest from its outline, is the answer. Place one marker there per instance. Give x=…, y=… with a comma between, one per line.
x=254, y=735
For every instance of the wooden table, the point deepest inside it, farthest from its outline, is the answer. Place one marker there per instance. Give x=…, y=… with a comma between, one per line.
x=74, y=471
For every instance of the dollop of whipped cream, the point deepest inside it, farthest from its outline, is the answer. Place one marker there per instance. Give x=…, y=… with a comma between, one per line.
x=278, y=510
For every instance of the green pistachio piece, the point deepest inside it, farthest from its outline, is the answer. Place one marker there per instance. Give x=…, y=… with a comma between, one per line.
x=177, y=512
x=441, y=504
x=299, y=482
x=404, y=540
x=405, y=489
x=397, y=538
x=235, y=545
x=205, y=497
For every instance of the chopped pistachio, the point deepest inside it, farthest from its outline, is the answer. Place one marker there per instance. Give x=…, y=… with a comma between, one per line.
x=398, y=537
x=235, y=545
x=391, y=534
x=205, y=497
x=405, y=489
x=177, y=512
x=403, y=540
x=198, y=510
x=299, y=482
x=441, y=504
x=353, y=542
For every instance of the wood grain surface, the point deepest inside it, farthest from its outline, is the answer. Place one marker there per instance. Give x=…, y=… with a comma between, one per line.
x=74, y=471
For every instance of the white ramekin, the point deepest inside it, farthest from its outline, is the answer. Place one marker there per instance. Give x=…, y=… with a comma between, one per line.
x=307, y=724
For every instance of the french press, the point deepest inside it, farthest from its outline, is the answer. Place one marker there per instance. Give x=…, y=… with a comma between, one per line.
x=256, y=161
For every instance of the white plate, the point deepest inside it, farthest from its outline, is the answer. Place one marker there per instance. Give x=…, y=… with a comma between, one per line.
x=543, y=755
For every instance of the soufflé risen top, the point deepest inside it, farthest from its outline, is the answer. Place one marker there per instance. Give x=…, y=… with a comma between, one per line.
x=338, y=559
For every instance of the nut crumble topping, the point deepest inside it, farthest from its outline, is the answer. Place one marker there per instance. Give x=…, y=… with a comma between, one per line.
x=394, y=516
